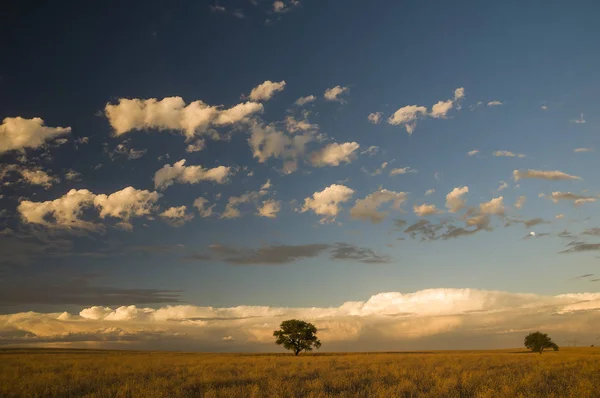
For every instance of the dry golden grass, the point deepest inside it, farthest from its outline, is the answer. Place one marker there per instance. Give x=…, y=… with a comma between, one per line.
x=507, y=373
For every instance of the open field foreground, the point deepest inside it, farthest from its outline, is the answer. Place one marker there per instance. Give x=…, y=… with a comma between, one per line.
x=571, y=372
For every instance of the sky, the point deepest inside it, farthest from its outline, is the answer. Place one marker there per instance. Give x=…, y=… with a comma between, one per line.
x=187, y=175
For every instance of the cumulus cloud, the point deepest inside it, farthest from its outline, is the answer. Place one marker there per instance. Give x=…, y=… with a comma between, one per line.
x=17, y=133
x=578, y=150
x=336, y=93
x=32, y=176
x=126, y=204
x=327, y=202
x=569, y=196
x=182, y=174
x=473, y=152
x=520, y=202
x=281, y=7
x=493, y=207
x=402, y=170
x=202, y=205
x=455, y=199
x=196, y=146
x=269, y=208
x=503, y=185
x=375, y=117
x=551, y=175
x=429, y=192
x=441, y=108
x=407, y=116
x=368, y=208
x=172, y=113
x=470, y=318
x=334, y=154
x=494, y=103
x=176, y=216
x=426, y=210
x=509, y=154
x=265, y=91
x=305, y=100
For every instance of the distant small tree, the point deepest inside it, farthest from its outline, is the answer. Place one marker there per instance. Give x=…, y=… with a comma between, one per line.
x=537, y=341
x=297, y=336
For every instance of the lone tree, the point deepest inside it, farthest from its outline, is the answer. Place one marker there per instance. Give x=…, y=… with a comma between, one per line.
x=537, y=341
x=297, y=336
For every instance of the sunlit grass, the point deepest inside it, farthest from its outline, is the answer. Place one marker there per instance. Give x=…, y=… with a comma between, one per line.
x=571, y=372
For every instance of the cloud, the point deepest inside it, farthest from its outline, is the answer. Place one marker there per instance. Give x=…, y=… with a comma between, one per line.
x=534, y=222
x=232, y=208
x=429, y=192
x=269, y=208
x=558, y=216
x=473, y=152
x=266, y=141
x=17, y=133
x=370, y=151
x=327, y=202
x=334, y=154
x=127, y=203
x=426, y=210
x=580, y=120
x=493, y=207
x=407, y=116
x=336, y=93
x=268, y=255
x=293, y=126
x=582, y=247
x=375, y=117
x=368, y=208
x=172, y=113
x=196, y=146
x=32, y=176
x=544, y=107
x=576, y=199
x=62, y=213
x=455, y=200
x=72, y=175
x=503, y=185
x=202, y=205
x=402, y=170
x=520, y=202
x=176, y=216
x=551, y=175
x=578, y=150
x=423, y=228
x=494, y=103
x=442, y=318
x=305, y=100
x=344, y=251
x=440, y=109
x=265, y=91
x=182, y=174
x=509, y=154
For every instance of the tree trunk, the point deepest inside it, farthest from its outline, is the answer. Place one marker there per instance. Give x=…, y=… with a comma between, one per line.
x=296, y=352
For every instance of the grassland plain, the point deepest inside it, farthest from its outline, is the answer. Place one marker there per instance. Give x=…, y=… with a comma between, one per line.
x=571, y=372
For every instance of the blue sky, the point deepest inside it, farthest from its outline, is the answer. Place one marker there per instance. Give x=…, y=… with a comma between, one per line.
x=517, y=83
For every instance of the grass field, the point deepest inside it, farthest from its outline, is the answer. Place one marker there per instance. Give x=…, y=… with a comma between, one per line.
x=571, y=372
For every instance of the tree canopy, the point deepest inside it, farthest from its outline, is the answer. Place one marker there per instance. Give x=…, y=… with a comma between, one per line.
x=537, y=341
x=297, y=336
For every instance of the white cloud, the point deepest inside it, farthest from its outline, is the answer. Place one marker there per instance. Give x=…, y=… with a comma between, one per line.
x=559, y=216
x=372, y=150
x=334, y=154
x=375, y=117
x=426, y=210
x=177, y=216
x=126, y=204
x=305, y=100
x=455, y=200
x=269, y=208
x=266, y=90
x=503, y=185
x=576, y=150
x=203, y=209
x=473, y=152
x=493, y=207
x=387, y=321
x=580, y=120
x=72, y=175
x=233, y=203
x=509, y=154
x=440, y=109
x=429, y=192
x=520, y=202
x=402, y=170
x=17, y=133
x=292, y=125
x=196, y=146
x=172, y=113
x=336, y=93
x=494, y=103
x=407, y=116
x=459, y=93
x=32, y=176
x=182, y=174
x=368, y=208
x=551, y=175
x=327, y=202
x=569, y=196
x=544, y=107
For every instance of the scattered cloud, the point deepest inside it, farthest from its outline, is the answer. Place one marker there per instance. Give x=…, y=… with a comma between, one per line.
x=503, y=185
x=265, y=91
x=426, y=210
x=494, y=103
x=509, y=154
x=544, y=107
x=267, y=255
x=429, y=192
x=551, y=175
x=305, y=100
x=368, y=208
x=176, y=216
x=569, y=196
x=473, y=152
x=455, y=199
x=269, y=208
x=327, y=202
x=202, y=205
x=372, y=150
x=30, y=176
x=402, y=170
x=17, y=133
x=520, y=202
x=196, y=146
x=578, y=150
x=407, y=116
x=182, y=174
x=336, y=93
x=344, y=251
x=582, y=247
x=127, y=203
x=580, y=120
x=375, y=117
x=334, y=154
